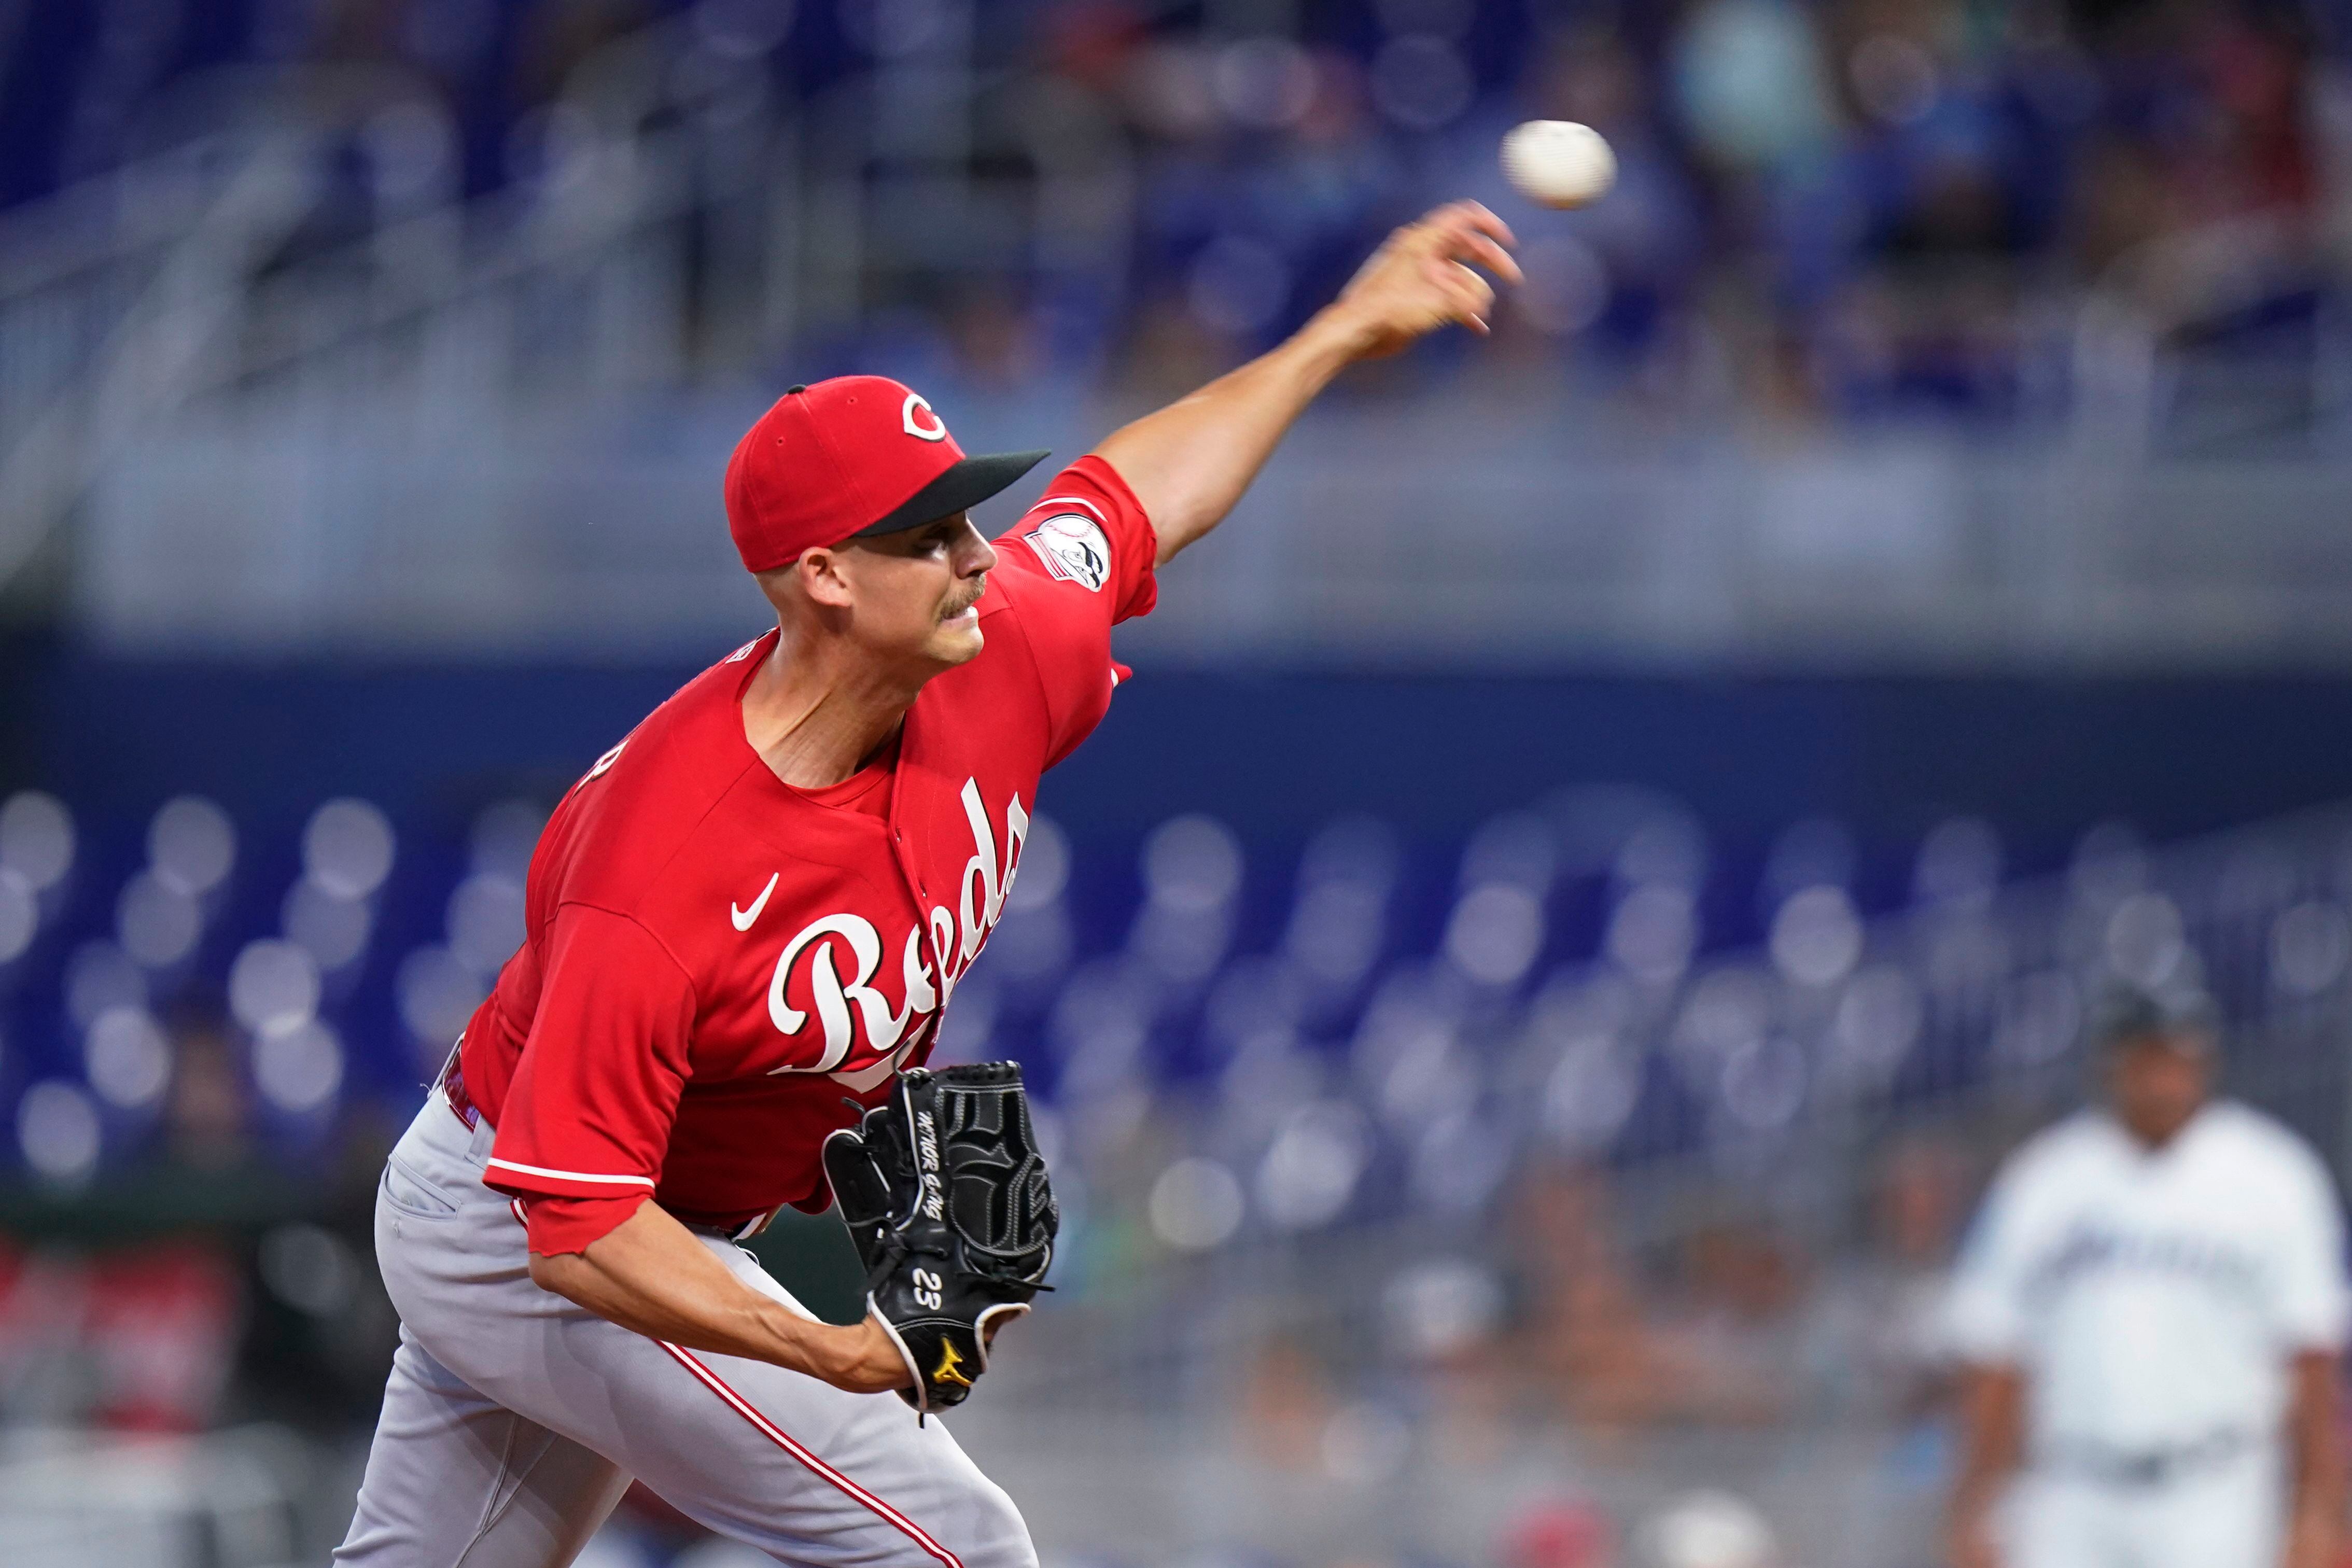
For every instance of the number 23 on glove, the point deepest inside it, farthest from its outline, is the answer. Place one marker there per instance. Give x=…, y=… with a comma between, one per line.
x=947, y=1200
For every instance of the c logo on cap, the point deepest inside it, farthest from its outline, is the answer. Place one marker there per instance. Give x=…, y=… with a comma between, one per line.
x=938, y=430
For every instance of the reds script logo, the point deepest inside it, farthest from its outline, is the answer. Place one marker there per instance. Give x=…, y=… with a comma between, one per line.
x=1073, y=548
x=927, y=978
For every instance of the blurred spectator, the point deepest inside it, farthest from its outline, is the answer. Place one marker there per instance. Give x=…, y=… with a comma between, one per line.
x=1877, y=1309
x=1284, y=1403
x=134, y=1339
x=1585, y=1328
x=158, y=1325
x=1751, y=83
x=1875, y=1346
x=208, y=1109
x=1739, y=1324
x=41, y=1297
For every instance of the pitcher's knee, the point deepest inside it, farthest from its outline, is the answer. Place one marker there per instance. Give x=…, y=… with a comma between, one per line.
x=994, y=1535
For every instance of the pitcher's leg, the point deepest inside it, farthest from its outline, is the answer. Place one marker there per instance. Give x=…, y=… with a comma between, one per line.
x=776, y=1459
x=456, y=1478
x=814, y=1476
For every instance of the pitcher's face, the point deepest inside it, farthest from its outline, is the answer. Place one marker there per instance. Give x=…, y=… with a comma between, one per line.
x=914, y=595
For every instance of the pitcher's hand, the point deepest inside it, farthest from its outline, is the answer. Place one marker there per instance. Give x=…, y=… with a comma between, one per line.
x=1422, y=277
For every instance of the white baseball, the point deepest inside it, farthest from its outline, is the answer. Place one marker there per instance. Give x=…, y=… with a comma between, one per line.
x=1558, y=163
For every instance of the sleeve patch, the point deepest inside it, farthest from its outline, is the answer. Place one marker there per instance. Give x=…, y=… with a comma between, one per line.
x=1074, y=548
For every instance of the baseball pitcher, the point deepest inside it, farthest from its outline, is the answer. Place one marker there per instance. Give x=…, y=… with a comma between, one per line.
x=744, y=924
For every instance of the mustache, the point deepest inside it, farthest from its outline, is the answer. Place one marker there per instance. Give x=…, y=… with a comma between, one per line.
x=966, y=601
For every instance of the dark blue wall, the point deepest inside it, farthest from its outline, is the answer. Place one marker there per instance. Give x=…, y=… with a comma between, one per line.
x=1276, y=753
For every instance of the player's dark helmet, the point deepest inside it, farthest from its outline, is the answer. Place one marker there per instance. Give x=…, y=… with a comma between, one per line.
x=2124, y=1013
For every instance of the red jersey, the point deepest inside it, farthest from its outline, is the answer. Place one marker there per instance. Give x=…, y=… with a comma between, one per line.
x=716, y=963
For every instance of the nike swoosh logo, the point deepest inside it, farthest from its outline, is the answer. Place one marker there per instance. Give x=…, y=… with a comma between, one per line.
x=743, y=918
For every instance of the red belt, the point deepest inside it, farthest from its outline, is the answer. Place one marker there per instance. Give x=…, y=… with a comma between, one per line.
x=453, y=1085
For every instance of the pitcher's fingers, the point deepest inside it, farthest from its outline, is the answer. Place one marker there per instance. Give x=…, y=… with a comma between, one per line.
x=1441, y=227
x=1465, y=209
x=1469, y=245
x=1476, y=215
x=1477, y=291
x=1469, y=299
x=1446, y=276
x=1455, y=277
x=1460, y=237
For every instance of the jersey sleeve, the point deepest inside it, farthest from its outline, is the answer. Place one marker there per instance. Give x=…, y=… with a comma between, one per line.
x=2308, y=1305
x=557, y=1226
x=588, y=1111
x=1077, y=564
x=1984, y=1317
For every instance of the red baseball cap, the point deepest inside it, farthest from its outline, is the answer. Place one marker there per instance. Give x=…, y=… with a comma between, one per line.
x=854, y=456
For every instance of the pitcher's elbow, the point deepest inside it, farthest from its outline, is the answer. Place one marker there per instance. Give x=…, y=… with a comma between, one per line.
x=556, y=1274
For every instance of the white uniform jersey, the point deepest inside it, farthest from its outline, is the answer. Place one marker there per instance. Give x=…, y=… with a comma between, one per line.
x=2154, y=1299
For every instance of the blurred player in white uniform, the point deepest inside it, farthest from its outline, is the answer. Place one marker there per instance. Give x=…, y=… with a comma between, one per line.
x=2149, y=1313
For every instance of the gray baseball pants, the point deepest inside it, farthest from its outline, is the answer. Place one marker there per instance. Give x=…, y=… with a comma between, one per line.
x=514, y=1420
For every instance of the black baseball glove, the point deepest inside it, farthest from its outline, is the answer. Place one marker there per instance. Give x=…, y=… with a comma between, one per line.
x=945, y=1195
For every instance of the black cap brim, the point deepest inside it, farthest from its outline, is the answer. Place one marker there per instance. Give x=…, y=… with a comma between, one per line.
x=962, y=486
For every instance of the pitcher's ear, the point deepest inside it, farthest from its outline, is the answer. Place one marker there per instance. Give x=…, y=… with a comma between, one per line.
x=818, y=577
